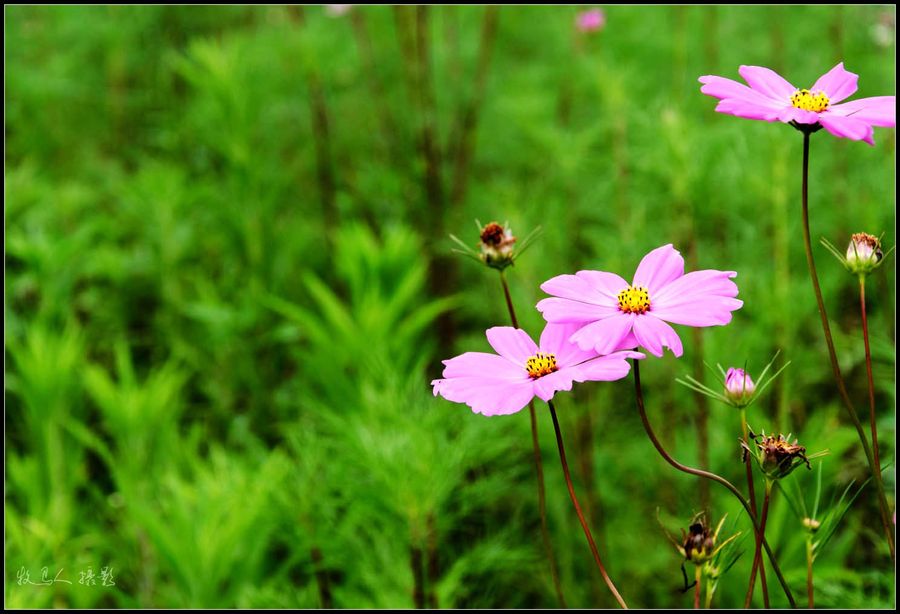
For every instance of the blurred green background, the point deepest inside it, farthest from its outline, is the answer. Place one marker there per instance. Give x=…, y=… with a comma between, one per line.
x=229, y=284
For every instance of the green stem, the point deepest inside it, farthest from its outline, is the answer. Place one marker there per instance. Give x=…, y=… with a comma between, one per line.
x=757, y=557
x=835, y=367
x=751, y=489
x=584, y=525
x=538, y=467
x=709, y=476
x=809, y=571
x=698, y=575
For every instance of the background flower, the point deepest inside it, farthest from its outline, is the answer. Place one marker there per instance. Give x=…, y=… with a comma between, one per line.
x=770, y=97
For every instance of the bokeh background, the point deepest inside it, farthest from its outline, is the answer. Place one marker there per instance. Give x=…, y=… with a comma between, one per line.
x=229, y=283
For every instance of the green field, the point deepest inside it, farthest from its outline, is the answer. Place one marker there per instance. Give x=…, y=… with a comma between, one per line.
x=229, y=283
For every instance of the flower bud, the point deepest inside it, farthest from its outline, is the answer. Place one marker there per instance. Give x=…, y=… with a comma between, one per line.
x=864, y=253
x=739, y=387
x=699, y=544
x=497, y=246
x=811, y=524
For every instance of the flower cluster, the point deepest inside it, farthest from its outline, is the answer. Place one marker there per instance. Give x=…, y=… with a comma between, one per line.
x=595, y=321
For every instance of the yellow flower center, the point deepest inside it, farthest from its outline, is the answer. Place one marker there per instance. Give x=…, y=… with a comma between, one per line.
x=810, y=101
x=541, y=364
x=634, y=300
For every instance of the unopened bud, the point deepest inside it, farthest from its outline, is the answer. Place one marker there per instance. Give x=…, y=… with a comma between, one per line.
x=739, y=387
x=864, y=253
x=811, y=524
x=497, y=246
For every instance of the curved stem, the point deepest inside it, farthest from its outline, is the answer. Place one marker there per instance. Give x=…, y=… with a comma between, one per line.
x=752, y=492
x=757, y=558
x=835, y=367
x=538, y=467
x=809, y=572
x=587, y=531
x=697, y=577
x=709, y=476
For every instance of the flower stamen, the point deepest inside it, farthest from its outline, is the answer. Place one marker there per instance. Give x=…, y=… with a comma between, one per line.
x=810, y=101
x=541, y=364
x=634, y=300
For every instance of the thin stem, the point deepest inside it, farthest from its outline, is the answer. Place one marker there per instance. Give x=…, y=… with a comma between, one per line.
x=809, y=572
x=697, y=577
x=751, y=489
x=538, y=467
x=584, y=526
x=865, y=327
x=757, y=558
x=835, y=367
x=709, y=476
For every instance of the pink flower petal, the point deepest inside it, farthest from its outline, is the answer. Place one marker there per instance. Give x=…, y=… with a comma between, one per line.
x=606, y=335
x=658, y=268
x=555, y=340
x=767, y=81
x=801, y=116
x=652, y=333
x=513, y=344
x=877, y=110
x=571, y=287
x=607, y=284
x=837, y=83
x=700, y=298
x=847, y=127
x=563, y=310
x=486, y=396
x=722, y=88
x=748, y=110
x=607, y=368
x=545, y=387
x=481, y=364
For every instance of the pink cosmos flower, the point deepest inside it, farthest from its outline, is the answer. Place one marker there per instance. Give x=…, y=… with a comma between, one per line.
x=591, y=20
x=609, y=310
x=496, y=385
x=770, y=97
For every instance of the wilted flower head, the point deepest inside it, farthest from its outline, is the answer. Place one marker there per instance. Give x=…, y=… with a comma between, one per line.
x=776, y=456
x=739, y=388
x=590, y=20
x=770, y=97
x=610, y=310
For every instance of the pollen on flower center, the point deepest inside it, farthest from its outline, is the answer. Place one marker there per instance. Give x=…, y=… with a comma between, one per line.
x=634, y=300
x=810, y=101
x=541, y=364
